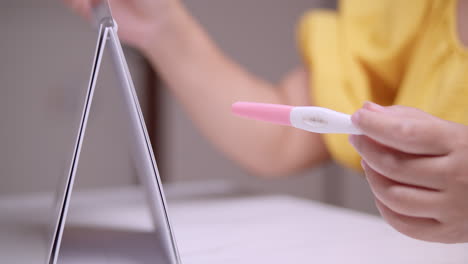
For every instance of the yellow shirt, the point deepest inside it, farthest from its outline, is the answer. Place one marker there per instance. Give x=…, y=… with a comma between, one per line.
x=389, y=52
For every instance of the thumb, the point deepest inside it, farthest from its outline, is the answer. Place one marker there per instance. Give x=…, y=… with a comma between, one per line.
x=404, y=128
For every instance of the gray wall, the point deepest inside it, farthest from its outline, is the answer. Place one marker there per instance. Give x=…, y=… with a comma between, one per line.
x=46, y=53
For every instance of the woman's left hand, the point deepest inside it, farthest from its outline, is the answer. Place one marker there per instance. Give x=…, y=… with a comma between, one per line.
x=417, y=167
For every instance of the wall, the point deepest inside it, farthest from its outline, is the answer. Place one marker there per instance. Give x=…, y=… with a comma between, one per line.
x=46, y=54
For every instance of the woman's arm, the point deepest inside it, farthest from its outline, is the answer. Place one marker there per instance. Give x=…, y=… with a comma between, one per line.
x=206, y=82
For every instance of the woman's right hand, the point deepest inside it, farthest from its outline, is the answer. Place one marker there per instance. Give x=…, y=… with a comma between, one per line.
x=138, y=20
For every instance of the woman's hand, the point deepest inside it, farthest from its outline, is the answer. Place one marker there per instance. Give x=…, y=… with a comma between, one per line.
x=417, y=167
x=138, y=20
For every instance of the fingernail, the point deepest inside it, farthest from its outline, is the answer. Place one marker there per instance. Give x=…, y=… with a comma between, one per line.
x=364, y=168
x=363, y=164
x=356, y=117
x=373, y=107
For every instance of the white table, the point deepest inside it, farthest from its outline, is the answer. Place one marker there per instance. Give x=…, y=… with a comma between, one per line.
x=273, y=229
x=268, y=230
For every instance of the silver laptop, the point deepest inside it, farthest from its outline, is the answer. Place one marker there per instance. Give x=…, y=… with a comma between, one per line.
x=141, y=149
x=32, y=227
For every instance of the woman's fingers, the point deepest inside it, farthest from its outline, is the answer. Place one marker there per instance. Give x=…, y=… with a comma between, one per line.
x=82, y=7
x=403, y=199
x=418, y=228
x=405, y=133
x=403, y=111
x=416, y=167
x=423, y=171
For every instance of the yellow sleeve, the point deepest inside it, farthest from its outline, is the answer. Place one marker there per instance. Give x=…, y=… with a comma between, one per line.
x=358, y=54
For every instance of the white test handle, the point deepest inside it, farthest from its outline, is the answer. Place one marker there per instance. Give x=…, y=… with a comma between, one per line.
x=322, y=120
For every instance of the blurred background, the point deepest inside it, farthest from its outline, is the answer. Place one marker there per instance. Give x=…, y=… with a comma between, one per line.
x=46, y=53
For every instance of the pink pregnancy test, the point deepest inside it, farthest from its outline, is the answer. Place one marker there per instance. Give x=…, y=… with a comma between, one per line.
x=309, y=118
